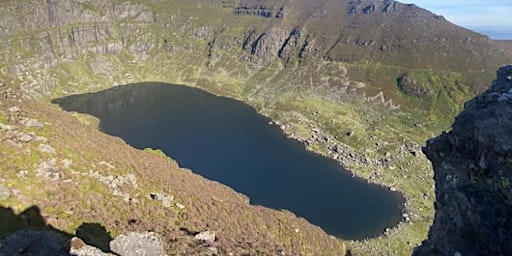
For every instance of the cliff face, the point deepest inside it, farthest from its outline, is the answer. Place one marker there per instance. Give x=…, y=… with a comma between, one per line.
x=237, y=38
x=473, y=171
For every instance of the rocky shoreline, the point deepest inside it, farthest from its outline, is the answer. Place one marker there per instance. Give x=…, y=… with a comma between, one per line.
x=345, y=156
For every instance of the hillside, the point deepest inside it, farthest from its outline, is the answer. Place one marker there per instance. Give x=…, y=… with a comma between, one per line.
x=377, y=77
x=507, y=44
x=371, y=36
x=60, y=172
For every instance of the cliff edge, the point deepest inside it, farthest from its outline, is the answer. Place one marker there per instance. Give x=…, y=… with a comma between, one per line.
x=473, y=170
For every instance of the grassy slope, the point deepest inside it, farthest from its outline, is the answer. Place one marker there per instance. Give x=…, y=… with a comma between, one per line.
x=82, y=193
x=392, y=128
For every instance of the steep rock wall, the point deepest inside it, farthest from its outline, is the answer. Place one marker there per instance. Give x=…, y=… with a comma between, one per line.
x=473, y=171
x=176, y=40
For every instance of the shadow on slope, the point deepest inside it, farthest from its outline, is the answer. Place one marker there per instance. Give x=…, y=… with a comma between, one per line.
x=31, y=219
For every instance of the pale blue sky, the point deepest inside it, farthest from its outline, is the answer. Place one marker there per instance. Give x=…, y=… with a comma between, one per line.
x=471, y=13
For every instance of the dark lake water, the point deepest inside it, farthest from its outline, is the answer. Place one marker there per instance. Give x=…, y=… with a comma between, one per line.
x=228, y=141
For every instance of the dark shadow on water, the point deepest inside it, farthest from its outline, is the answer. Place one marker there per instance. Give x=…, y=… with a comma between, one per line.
x=92, y=234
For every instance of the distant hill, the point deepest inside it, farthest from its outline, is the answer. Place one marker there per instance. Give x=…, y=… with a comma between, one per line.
x=495, y=33
x=505, y=43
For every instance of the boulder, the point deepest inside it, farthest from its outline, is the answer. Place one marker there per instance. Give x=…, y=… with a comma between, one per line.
x=4, y=192
x=29, y=122
x=208, y=236
x=167, y=201
x=29, y=242
x=138, y=244
x=80, y=248
x=46, y=149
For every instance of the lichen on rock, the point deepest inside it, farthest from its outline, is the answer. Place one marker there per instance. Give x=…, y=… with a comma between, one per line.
x=147, y=244
x=473, y=170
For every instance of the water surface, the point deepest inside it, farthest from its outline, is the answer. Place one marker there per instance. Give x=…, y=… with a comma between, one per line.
x=227, y=141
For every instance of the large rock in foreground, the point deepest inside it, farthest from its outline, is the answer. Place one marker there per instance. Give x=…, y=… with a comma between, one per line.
x=30, y=242
x=473, y=174
x=138, y=244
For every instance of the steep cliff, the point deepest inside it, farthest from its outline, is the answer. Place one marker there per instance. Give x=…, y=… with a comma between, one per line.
x=473, y=170
x=291, y=42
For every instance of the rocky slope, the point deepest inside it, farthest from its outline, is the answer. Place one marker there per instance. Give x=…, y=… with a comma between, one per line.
x=473, y=170
x=175, y=41
x=505, y=43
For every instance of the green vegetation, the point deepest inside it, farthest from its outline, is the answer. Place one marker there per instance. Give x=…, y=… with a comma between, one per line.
x=375, y=130
x=375, y=133
x=155, y=151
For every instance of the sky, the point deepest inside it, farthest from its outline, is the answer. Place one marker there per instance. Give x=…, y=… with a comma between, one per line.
x=481, y=15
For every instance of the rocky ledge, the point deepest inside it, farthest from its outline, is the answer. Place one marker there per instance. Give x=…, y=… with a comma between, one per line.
x=473, y=171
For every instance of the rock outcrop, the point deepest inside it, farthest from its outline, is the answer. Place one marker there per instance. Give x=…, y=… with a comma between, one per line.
x=260, y=10
x=314, y=33
x=138, y=244
x=29, y=242
x=473, y=171
x=51, y=243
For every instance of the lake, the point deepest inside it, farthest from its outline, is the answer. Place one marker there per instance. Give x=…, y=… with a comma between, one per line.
x=228, y=141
